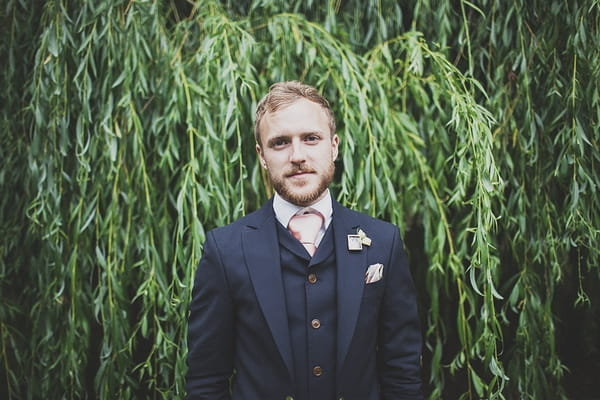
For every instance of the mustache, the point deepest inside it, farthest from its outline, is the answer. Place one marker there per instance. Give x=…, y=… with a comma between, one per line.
x=298, y=170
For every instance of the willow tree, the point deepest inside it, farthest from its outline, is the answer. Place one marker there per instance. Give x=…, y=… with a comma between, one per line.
x=127, y=133
x=539, y=63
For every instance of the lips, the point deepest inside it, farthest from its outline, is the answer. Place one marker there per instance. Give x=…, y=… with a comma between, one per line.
x=299, y=173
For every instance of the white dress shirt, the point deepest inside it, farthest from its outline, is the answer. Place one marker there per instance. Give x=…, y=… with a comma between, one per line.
x=284, y=211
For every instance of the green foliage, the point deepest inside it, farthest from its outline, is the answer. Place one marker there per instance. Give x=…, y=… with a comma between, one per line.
x=126, y=133
x=539, y=63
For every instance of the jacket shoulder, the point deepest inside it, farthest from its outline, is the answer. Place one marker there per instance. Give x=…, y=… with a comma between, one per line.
x=366, y=221
x=232, y=230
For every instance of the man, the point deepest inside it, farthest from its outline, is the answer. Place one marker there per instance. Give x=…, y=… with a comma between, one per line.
x=303, y=299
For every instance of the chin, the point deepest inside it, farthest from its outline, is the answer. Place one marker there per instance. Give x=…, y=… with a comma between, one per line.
x=303, y=198
x=300, y=193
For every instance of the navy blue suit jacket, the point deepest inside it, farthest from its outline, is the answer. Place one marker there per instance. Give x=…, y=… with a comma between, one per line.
x=238, y=318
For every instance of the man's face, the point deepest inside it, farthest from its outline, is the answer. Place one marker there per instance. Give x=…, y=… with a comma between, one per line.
x=297, y=151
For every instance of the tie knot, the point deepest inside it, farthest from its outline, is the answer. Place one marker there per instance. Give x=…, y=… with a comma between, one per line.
x=305, y=227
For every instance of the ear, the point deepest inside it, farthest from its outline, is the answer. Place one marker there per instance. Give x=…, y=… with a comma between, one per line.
x=335, y=141
x=259, y=151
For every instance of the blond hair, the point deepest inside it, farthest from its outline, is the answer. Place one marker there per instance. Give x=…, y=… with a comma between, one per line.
x=283, y=94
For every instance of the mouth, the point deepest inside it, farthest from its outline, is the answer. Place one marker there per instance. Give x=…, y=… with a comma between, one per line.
x=299, y=174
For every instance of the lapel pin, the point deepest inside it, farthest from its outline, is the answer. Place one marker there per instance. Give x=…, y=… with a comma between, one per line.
x=354, y=243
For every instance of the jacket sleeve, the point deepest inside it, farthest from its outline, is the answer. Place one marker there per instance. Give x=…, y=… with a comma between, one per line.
x=210, y=329
x=399, y=342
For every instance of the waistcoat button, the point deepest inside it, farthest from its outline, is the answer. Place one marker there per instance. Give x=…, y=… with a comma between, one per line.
x=312, y=278
x=317, y=371
x=315, y=323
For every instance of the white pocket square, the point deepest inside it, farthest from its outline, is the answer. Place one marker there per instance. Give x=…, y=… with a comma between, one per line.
x=374, y=273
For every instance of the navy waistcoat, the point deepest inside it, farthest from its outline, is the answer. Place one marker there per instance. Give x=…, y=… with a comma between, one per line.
x=310, y=296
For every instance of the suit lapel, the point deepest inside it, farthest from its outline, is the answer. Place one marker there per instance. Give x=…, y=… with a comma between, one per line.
x=261, y=252
x=351, y=266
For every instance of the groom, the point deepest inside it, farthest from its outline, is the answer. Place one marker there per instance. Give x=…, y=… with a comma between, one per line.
x=303, y=299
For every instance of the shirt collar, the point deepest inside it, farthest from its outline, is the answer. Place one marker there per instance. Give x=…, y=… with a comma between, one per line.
x=284, y=210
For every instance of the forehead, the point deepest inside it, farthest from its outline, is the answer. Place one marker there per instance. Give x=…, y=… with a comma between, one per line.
x=300, y=116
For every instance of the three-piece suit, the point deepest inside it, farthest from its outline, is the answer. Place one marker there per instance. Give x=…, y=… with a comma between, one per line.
x=269, y=322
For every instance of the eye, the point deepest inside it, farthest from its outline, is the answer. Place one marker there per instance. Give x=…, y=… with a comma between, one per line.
x=278, y=143
x=312, y=138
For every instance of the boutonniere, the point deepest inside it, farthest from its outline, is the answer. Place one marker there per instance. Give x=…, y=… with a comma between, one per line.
x=356, y=242
x=364, y=239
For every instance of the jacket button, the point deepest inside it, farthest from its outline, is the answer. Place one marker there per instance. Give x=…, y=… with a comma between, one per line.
x=312, y=278
x=315, y=323
x=317, y=371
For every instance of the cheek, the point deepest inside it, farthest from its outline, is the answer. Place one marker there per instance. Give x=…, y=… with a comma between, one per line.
x=326, y=157
x=274, y=161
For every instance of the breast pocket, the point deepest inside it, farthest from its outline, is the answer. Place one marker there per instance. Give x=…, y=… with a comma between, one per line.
x=373, y=290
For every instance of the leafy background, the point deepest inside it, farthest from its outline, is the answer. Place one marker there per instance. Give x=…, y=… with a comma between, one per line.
x=126, y=133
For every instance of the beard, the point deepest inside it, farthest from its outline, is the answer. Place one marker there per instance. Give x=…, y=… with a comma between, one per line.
x=297, y=196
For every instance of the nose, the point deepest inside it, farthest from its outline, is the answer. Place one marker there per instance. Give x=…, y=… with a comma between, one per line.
x=297, y=156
